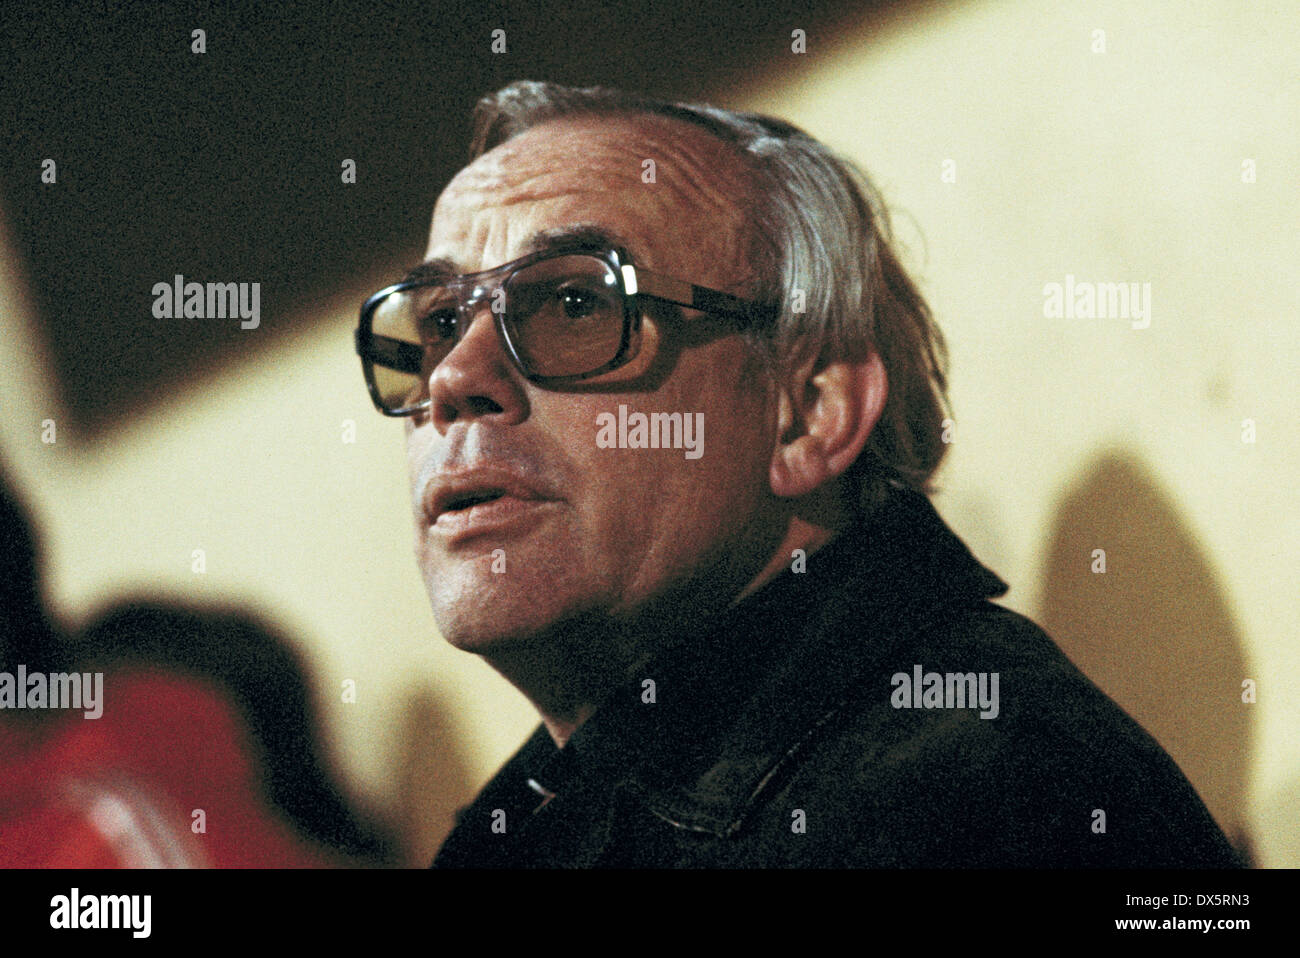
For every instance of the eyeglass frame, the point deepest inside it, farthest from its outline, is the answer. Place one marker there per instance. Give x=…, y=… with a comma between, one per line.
x=634, y=284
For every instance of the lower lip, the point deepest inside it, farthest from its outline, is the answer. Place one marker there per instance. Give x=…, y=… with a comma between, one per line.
x=500, y=515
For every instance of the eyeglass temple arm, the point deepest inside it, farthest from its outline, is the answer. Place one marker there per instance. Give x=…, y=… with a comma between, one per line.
x=681, y=293
x=390, y=353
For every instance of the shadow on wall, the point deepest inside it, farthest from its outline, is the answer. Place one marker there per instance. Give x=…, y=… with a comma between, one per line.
x=1153, y=630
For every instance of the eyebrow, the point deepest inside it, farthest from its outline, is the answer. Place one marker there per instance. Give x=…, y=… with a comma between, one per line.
x=580, y=236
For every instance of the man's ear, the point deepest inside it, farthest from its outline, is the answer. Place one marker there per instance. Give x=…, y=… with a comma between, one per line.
x=825, y=414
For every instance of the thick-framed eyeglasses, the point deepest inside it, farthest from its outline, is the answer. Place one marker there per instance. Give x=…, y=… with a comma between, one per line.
x=563, y=315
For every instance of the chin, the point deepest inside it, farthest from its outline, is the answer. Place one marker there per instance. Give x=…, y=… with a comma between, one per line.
x=478, y=611
x=481, y=638
x=483, y=622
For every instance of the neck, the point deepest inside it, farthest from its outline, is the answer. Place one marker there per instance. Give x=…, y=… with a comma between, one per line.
x=567, y=672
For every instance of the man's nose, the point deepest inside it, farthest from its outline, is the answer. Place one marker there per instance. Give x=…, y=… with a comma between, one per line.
x=476, y=378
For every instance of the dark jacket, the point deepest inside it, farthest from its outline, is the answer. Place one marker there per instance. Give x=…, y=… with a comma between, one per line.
x=778, y=738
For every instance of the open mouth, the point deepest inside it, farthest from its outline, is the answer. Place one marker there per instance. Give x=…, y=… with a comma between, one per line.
x=489, y=511
x=467, y=500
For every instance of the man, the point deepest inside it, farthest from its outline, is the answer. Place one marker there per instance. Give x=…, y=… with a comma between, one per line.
x=672, y=409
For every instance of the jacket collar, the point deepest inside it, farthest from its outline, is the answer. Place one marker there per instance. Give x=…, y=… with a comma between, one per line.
x=734, y=705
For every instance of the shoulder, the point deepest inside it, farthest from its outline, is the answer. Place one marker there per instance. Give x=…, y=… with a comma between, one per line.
x=1040, y=769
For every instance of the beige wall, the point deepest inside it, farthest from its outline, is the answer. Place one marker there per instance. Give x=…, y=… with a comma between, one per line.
x=1071, y=435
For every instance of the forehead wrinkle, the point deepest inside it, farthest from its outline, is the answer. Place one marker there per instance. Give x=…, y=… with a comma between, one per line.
x=710, y=174
x=581, y=166
x=700, y=170
x=684, y=167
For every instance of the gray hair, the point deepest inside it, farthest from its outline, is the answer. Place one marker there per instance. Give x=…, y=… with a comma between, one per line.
x=820, y=230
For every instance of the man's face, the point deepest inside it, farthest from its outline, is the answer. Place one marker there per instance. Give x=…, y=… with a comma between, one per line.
x=612, y=527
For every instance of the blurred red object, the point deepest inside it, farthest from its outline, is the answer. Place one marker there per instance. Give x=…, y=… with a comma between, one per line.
x=167, y=777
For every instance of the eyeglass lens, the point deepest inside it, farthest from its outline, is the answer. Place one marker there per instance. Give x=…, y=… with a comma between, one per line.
x=564, y=316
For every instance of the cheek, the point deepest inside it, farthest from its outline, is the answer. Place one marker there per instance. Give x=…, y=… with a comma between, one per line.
x=706, y=483
x=739, y=427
